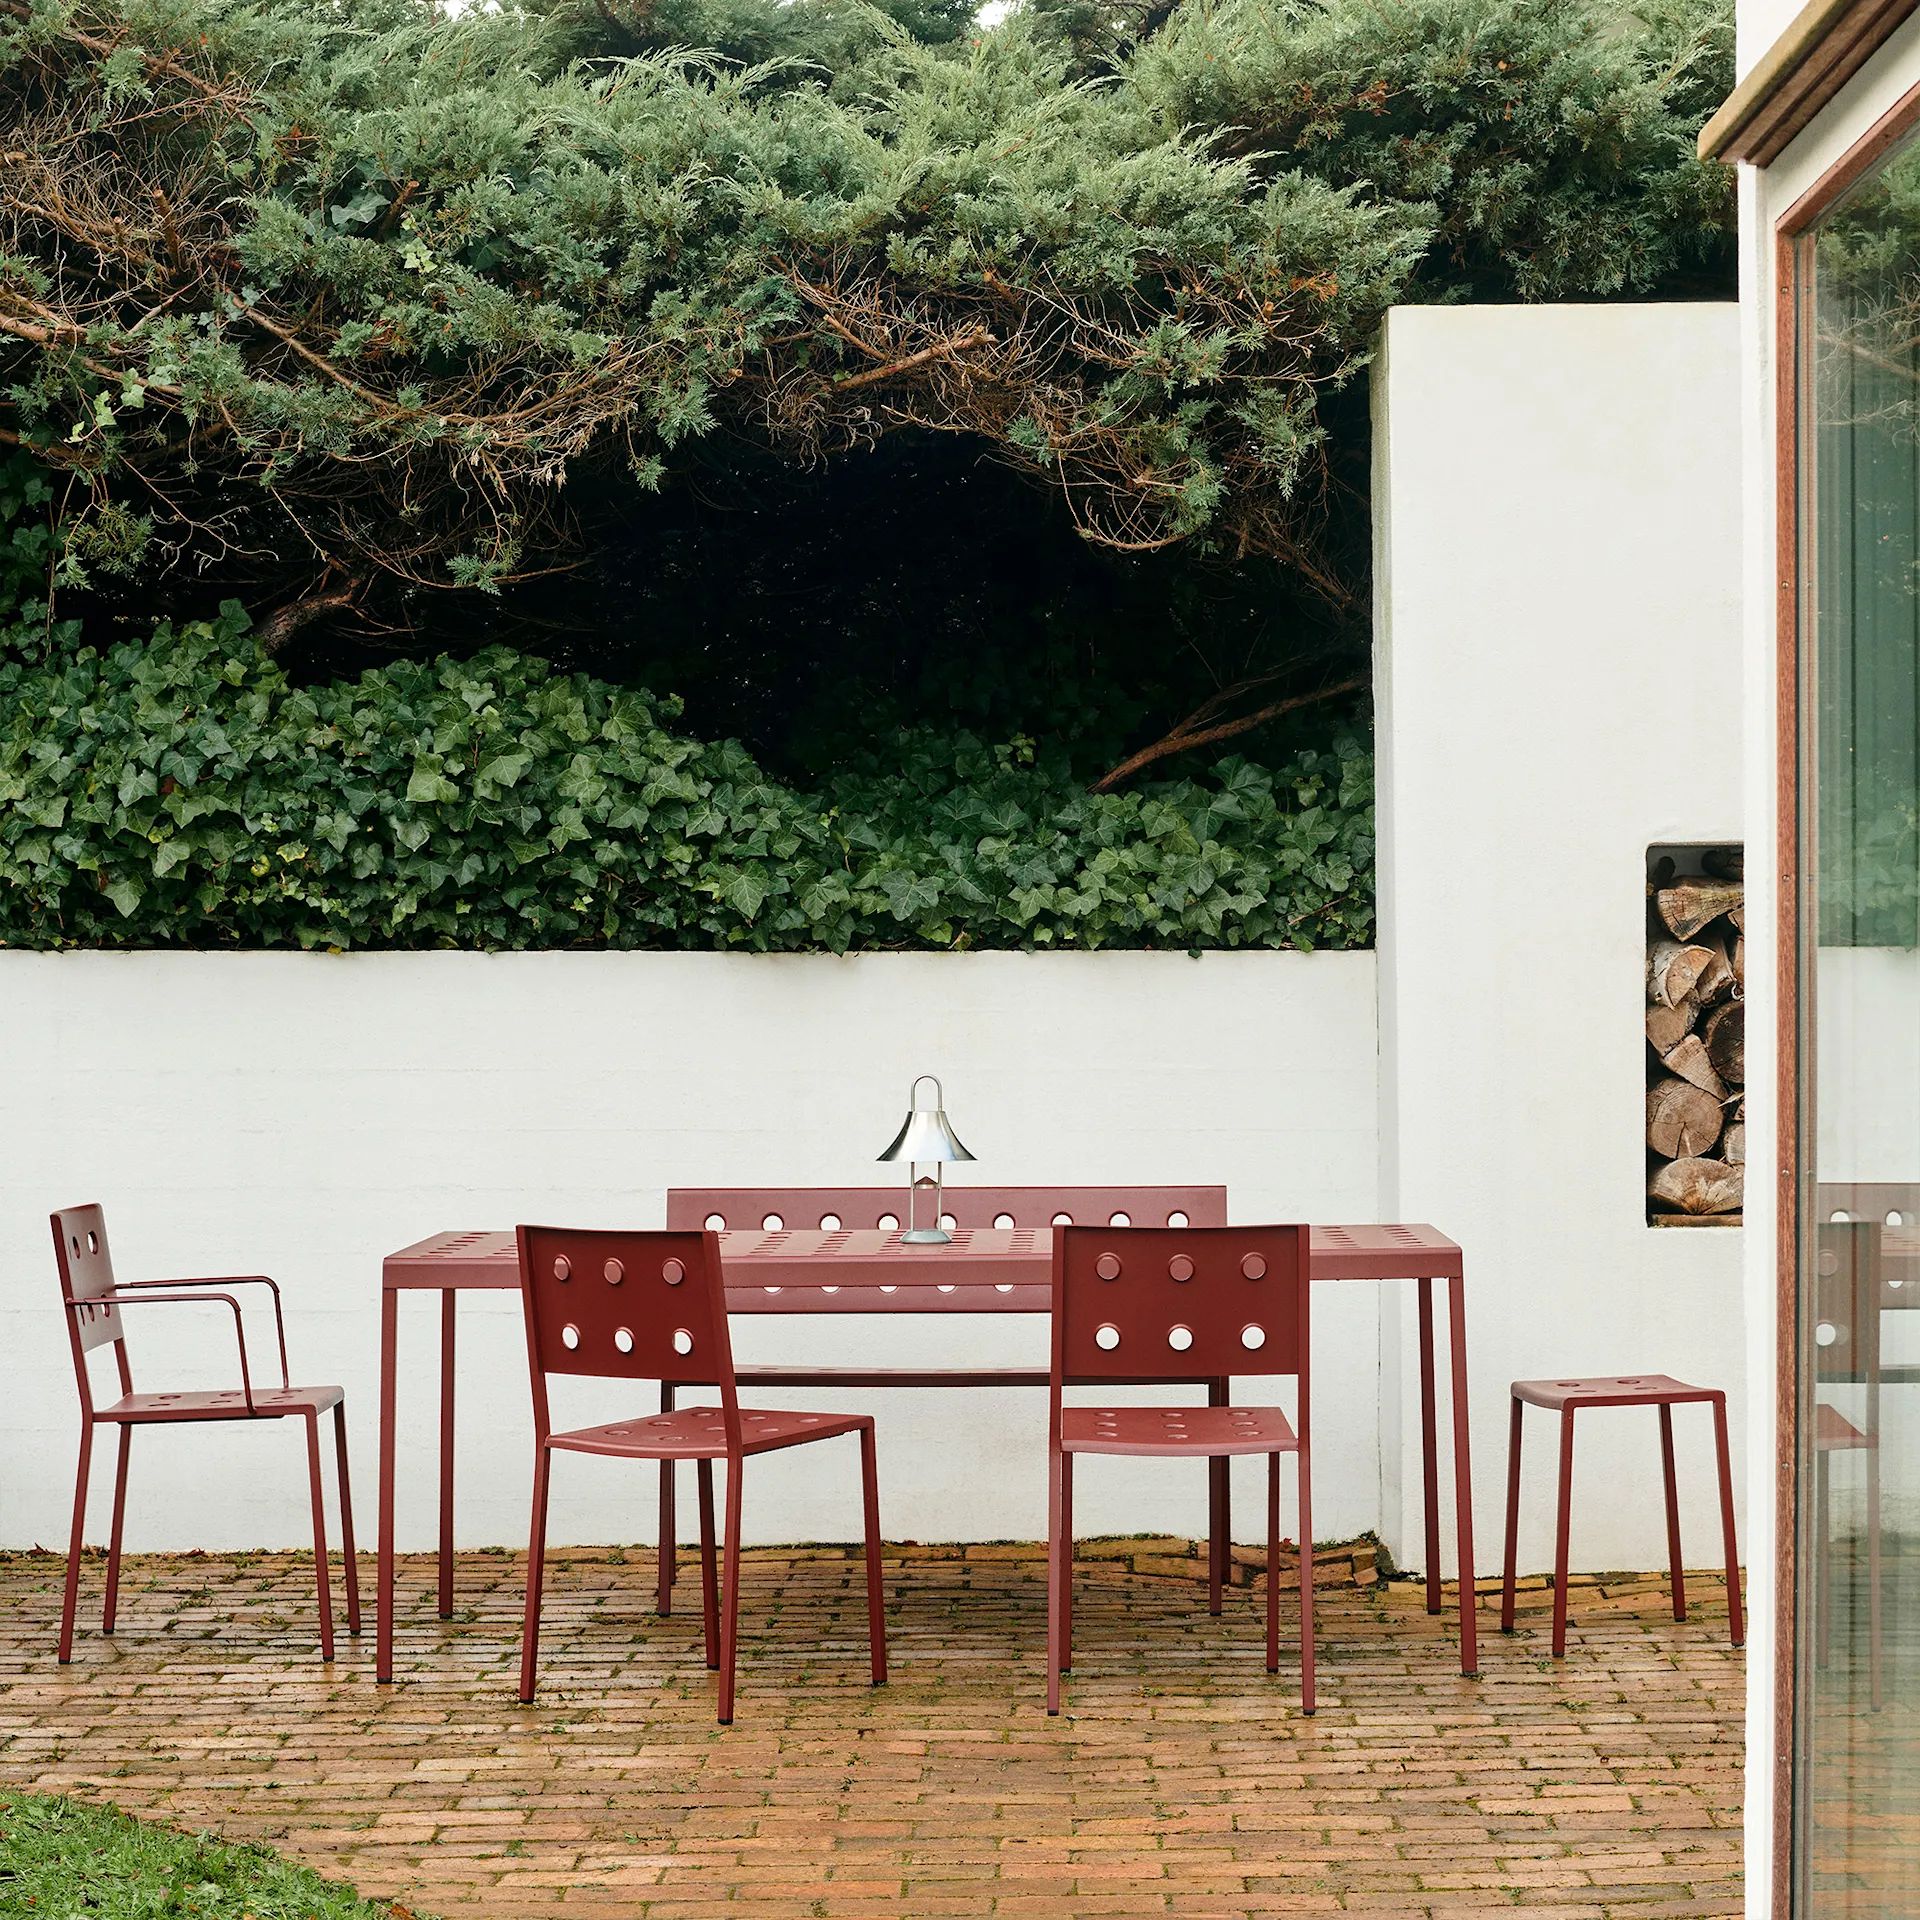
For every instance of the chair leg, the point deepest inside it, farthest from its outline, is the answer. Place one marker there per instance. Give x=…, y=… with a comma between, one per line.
x=1303, y=1466
x=709, y=1574
x=1736, y=1612
x=876, y=1577
x=1562, y=1528
x=1059, y=1552
x=1273, y=1563
x=536, y=1571
x=1219, y=1523
x=1066, y=1585
x=730, y=1593
x=112, y=1606
x=75, y=1541
x=346, y=1516
x=323, y=1585
x=664, y=1598
x=1674, y=1571
x=1514, y=1429
x=669, y=1532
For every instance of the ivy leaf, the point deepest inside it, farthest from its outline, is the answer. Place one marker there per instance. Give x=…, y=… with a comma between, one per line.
x=429, y=783
x=744, y=891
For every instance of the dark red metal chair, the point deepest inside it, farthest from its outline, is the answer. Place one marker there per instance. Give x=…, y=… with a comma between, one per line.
x=651, y=1306
x=1133, y=1305
x=1568, y=1397
x=93, y=1301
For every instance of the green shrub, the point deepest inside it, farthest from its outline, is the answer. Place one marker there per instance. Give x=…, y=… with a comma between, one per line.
x=180, y=792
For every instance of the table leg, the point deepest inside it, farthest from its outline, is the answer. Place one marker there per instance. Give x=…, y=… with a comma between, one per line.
x=1219, y=1508
x=447, y=1298
x=1429, y=1449
x=1463, y=1476
x=383, y=1570
x=669, y=1546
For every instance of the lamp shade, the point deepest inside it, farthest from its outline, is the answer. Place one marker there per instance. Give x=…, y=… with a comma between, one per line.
x=926, y=1135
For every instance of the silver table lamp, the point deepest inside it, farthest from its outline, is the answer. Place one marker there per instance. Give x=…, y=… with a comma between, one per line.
x=925, y=1139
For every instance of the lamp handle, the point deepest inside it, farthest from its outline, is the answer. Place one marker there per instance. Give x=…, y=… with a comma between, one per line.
x=939, y=1093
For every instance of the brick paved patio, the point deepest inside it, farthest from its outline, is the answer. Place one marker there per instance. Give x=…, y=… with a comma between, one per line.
x=1182, y=1780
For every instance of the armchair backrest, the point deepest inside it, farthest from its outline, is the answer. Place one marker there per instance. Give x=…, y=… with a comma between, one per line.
x=85, y=1266
x=626, y=1306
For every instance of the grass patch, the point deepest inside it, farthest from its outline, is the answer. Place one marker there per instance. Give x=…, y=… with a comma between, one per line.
x=61, y=1859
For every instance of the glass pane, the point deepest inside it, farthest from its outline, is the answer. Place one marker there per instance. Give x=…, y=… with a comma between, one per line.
x=1858, y=1764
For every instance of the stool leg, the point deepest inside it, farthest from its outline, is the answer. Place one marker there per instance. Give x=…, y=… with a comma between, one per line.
x=1677, y=1577
x=1561, y=1529
x=1736, y=1613
x=1513, y=1515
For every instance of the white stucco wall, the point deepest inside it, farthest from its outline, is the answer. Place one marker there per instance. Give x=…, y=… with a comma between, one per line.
x=302, y=1115
x=1557, y=600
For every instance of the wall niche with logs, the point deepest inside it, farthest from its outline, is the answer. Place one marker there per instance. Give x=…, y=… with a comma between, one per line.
x=1696, y=1036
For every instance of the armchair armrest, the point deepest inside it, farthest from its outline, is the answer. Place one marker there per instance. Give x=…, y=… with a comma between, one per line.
x=119, y=1297
x=229, y=1280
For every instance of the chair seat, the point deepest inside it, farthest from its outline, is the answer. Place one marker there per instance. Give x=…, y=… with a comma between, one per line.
x=1610, y=1390
x=269, y=1403
x=1833, y=1432
x=698, y=1433
x=1175, y=1431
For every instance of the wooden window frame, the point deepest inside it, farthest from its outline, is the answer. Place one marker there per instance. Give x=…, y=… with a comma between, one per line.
x=1792, y=246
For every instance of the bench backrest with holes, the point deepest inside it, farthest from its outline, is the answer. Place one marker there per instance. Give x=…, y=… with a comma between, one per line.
x=834, y=1233
x=774, y=1209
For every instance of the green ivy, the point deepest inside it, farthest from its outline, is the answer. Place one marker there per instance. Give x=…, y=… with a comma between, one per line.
x=179, y=791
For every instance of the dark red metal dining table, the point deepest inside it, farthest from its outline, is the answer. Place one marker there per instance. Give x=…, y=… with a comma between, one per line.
x=996, y=1270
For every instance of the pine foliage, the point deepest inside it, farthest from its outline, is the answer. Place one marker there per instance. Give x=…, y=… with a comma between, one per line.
x=399, y=275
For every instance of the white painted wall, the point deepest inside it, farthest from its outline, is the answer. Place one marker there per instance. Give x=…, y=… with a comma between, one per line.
x=302, y=1115
x=1557, y=587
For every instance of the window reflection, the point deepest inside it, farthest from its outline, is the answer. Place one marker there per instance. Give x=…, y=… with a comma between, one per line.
x=1858, y=1730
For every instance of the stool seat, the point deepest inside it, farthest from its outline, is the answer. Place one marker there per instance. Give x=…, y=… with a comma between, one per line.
x=1610, y=1390
x=1585, y=1394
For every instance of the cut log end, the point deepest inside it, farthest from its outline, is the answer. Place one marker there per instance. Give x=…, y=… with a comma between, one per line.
x=1698, y=1185
x=1683, y=1121
x=1688, y=905
x=1672, y=970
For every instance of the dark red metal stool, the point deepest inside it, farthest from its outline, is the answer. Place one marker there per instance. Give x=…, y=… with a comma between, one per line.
x=1568, y=1397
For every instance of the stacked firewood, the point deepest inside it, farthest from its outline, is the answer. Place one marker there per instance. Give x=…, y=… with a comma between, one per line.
x=1696, y=1041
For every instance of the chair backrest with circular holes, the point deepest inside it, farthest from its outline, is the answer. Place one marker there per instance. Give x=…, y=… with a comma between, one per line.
x=809, y=1209
x=86, y=1276
x=1173, y=1303
x=634, y=1306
